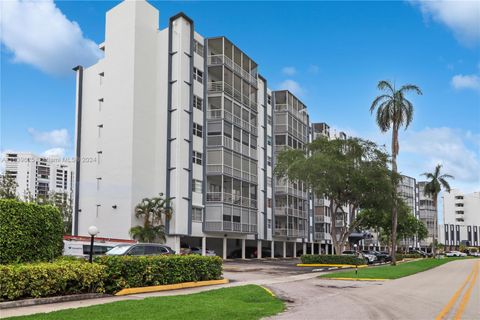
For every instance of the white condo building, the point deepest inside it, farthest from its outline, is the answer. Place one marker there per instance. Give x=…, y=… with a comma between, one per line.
x=461, y=219
x=171, y=111
x=38, y=177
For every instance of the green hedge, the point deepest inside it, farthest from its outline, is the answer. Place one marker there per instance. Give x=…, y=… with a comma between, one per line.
x=332, y=259
x=29, y=232
x=401, y=256
x=42, y=279
x=142, y=271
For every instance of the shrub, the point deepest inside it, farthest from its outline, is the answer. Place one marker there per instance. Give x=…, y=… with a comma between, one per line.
x=142, y=271
x=401, y=256
x=331, y=259
x=29, y=232
x=37, y=280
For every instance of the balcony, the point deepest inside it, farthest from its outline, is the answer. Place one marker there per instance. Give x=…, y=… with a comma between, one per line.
x=221, y=59
x=220, y=86
x=223, y=114
x=223, y=226
x=322, y=219
x=284, y=211
x=301, y=115
x=291, y=191
x=219, y=141
x=322, y=236
x=231, y=199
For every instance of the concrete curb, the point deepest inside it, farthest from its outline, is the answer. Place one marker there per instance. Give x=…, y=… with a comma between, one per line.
x=355, y=279
x=168, y=287
x=48, y=300
x=331, y=265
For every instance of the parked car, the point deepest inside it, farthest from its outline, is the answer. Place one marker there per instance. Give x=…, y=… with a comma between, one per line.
x=250, y=252
x=455, y=254
x=367, y=257
x=381, y=257
x=420, y=252
x=140, y=249
x=198, y=250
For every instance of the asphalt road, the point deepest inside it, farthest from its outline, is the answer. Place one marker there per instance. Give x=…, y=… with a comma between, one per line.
x=445, y=292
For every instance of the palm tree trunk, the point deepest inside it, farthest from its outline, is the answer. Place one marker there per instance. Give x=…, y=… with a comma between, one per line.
x=435, y=225
x=394, y=209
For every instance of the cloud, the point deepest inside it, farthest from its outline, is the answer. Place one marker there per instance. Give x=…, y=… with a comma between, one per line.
x=54, y=138
x=39, y=34
x=292, y=86
x=462, y=17
x=289, y=71
x=461, y=81
x=54, y=153
x=423, y=150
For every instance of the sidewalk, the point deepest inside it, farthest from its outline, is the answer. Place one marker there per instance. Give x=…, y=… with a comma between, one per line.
x=91, y=302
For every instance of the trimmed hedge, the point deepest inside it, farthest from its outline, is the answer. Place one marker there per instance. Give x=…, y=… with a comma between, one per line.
x=29, y=232
x=50, y=279
x=331, y=259
x=142, y=271
x=401, y=256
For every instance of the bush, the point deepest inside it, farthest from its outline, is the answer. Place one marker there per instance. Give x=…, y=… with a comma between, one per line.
x=50, y=279
x=331, y=259
x=29, y=232
x=142, y=271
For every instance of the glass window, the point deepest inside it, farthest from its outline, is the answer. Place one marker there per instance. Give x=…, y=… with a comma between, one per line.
x=196, y=185
x=198, y=48
x=197, y=75
x=197, y=214
x=197, y=130
x=197, y=157
x=198, y=102
x=269, y=140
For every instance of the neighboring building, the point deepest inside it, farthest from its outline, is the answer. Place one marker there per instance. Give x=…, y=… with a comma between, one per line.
x=171, y=111
x=39, y=177
x=408, y=190
x=461, y=219
x=427, y=214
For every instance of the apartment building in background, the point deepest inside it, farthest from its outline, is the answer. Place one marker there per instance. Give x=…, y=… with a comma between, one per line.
x=461, y=219
x=407, y=189
x=171, y=111
x=39, y=177
x=427, y=214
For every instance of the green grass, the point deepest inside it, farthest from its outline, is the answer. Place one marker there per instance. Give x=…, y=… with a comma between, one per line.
x=391, y=272
x=244, y=302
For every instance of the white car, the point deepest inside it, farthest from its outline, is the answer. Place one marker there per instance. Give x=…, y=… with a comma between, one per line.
x=455, y=254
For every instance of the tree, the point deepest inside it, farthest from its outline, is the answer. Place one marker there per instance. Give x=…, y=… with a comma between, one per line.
x=154, y=212
x=393, y=111
x=436, y=182
x=8, y=187
x=350, y=173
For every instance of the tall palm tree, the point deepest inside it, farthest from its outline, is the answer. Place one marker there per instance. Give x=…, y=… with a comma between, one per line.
x=154, y=211
x=394, y=111
x=436, y=181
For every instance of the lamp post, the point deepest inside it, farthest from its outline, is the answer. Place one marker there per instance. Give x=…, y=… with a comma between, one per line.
x=92, y=231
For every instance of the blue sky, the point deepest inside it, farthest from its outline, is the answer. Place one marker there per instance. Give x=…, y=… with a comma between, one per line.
x=331, y=54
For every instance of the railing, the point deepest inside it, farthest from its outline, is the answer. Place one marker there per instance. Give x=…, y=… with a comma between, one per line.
x=221, y=226
x=322, y=236
x=284, y=107
x=218, y=59
x=220, y=86
x=231, y=199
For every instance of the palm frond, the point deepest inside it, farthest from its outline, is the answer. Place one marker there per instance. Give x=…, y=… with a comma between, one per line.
x=385, y=84
x=411, y=87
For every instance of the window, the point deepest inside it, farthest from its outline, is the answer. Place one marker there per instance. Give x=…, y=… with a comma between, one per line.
x=269, y=223
x=269, y=140
x=269, y=120
x=196, y=185
x=269, y=99
x=198, y=48
x=197, y=157
x=269, y=161
x=269, y=202
x=197, y=75
x=197, y=130
x=197, y=214
x=198, y=102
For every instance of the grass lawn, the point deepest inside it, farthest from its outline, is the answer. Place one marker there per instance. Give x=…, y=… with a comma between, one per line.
x=245, y=302
x=391, y=272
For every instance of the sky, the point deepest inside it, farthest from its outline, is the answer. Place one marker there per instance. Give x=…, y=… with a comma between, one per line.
x=330, y=54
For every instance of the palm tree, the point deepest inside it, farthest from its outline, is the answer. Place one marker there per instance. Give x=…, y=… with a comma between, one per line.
x=436, y=181
x=154, y=212
x=394, y=111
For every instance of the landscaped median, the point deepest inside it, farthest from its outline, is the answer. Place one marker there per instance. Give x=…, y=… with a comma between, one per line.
x=388, y=272
x=243, y=302
x=109, y=274
x=318, y=260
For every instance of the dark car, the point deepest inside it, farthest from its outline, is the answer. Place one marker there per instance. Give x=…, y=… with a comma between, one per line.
x=250, y=252
x=381, y=256
x=140, y=249
x=420, y=252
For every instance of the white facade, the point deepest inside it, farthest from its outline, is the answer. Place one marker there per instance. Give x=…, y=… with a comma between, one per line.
x=427, y=214
x=461, y=219
x=38, y=177
x=169, y=111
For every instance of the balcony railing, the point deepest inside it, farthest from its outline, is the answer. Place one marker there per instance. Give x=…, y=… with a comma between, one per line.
x=323, y=236
x=219, y=59
x=221, y=226
x=284, y=211
x=292, y=191
x=231, y=199
x=300, y=115
x=219, y=141
x=223, y=114
x=220, y=86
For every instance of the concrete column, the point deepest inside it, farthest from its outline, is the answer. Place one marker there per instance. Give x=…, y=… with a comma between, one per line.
x=284, y=249
x=327, y=248
x=273, y=249
x=176, y=244
x=204, y=246
x=243, y=248
x=312, y=248
x=319, y=248
x=259, y=249
x=224, y=248
x=295, y=249
x=304, y=248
